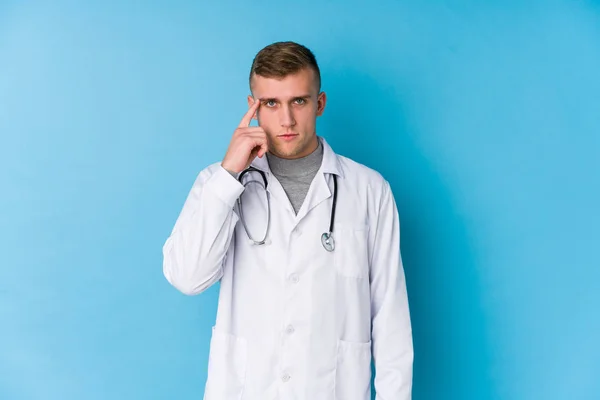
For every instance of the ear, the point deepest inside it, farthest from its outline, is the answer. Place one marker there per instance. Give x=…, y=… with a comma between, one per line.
x=321, y=101
x=250, y=102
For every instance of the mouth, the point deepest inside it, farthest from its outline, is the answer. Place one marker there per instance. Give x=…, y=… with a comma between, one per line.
x=288, y=136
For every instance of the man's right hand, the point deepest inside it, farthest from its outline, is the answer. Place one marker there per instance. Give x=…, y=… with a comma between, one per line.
x=247, y=143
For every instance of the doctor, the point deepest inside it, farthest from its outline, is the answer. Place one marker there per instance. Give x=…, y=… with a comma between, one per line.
x=306, y=246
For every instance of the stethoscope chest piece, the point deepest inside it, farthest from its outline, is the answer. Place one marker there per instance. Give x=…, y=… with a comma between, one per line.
x=328, y=242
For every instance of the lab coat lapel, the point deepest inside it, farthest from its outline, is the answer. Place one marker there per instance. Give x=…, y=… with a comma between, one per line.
x=274, y=187
x=317, y=193
x=321, y=187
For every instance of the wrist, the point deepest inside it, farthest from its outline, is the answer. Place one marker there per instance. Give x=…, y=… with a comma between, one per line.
x=231, y=171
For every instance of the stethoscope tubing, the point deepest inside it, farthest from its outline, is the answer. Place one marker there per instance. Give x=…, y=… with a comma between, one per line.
x=326, y=238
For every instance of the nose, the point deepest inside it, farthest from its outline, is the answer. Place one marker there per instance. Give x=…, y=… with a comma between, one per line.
x=286, y=117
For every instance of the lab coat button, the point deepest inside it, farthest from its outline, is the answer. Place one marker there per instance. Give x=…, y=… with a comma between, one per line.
x=294, y=278
x=285, y=377
x=289, y=330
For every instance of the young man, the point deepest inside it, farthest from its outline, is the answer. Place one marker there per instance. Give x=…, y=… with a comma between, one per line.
x=302, y=310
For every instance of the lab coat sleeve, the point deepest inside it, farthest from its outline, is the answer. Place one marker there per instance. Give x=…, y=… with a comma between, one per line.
x=194, y=253
x=391, y=326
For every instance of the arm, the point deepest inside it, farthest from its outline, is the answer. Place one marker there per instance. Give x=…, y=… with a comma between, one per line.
x=391, y=326
x=194, y=253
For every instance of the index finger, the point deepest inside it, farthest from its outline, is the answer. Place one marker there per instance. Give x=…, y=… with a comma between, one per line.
x=248, y=117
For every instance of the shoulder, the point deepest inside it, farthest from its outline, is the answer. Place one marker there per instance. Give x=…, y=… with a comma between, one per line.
x=370, y=191
x=360, y=175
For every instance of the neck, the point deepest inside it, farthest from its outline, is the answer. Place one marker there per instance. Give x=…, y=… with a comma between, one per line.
x=306, y=165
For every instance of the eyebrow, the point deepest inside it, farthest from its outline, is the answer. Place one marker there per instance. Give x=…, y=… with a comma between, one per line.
x=305, y=96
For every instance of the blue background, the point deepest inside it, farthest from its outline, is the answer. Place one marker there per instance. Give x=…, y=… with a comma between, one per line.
x=484, y=116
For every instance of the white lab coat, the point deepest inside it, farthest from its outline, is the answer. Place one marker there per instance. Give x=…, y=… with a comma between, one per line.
x=295, y=321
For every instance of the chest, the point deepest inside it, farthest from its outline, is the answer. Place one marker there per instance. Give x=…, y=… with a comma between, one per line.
x=294, y=240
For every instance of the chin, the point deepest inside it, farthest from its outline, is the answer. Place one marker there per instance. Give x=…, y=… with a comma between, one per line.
x=286, y=152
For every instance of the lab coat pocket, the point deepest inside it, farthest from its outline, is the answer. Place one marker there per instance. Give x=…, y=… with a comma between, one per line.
x=226, y=367
x=353, y=371
x=351, y=250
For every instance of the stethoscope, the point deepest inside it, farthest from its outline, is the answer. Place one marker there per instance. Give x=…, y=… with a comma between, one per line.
x=326, y=237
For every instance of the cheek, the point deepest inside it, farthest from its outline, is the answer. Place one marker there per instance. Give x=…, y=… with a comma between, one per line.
x=267, y=122
x=307, y=117
x=265, y=118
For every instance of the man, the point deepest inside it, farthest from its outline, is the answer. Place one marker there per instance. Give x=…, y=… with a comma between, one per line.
x=302, y=310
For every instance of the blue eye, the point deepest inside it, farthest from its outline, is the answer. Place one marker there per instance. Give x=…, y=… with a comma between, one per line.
x=300, y=101
x=270, y=103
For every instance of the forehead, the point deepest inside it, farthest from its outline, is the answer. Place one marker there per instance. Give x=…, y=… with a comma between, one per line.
x=299, y=84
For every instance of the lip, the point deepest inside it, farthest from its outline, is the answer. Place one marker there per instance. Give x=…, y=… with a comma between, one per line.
x=288, y=136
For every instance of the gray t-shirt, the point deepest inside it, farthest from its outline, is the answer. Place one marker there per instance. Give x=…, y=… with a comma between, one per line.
x=296, y=175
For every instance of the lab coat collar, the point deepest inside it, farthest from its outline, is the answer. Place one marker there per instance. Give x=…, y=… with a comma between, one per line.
x=329, y=165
